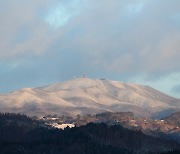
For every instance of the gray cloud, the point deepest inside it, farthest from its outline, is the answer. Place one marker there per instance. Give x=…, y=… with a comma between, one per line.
x=119, y=36
x=146, y=41
x=22, y=30
x=117, y=39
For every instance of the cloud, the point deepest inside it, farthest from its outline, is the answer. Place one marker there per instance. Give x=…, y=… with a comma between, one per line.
x=22, y=30
x=119, y=39
x=62, y=12
x=119, y=36
x=149, y=36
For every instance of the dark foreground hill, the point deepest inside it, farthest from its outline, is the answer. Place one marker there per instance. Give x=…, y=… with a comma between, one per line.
x=22, y=135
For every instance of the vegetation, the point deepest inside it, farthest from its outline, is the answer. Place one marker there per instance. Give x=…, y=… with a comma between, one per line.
x=20, y=134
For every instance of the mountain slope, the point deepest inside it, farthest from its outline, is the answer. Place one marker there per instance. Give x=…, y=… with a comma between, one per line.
x=84, y=96
x=174, y=119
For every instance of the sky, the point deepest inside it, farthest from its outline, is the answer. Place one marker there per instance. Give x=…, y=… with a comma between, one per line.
x=47, y=41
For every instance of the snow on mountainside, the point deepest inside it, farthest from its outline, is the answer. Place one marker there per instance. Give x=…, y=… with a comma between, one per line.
x=87, y=96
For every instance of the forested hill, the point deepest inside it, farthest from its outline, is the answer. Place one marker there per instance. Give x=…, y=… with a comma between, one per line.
x=22, y=135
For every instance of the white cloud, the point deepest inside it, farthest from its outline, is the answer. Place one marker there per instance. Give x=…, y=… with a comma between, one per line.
x=61, y=13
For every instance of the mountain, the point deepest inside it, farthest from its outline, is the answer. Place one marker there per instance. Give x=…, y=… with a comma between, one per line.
x=88, y=96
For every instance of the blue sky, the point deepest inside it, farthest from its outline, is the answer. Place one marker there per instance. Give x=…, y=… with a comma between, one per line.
x=48, y=41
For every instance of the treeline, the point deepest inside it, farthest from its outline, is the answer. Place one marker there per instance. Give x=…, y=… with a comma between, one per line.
x=20, y=134
x=14, y=117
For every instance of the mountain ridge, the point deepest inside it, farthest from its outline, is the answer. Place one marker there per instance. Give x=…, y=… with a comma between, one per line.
x=88, y=96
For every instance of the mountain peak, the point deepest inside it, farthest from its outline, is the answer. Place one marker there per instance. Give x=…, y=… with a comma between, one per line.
x=89, y=96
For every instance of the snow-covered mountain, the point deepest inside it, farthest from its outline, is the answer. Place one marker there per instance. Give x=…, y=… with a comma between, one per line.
x=87, y=96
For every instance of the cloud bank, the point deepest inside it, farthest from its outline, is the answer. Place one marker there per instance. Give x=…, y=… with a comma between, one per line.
x=53, y=40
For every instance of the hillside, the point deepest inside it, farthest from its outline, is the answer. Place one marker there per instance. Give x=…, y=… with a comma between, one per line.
x=173, y=119
x=154, y=127
x=88, y=96
x=20, y=134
